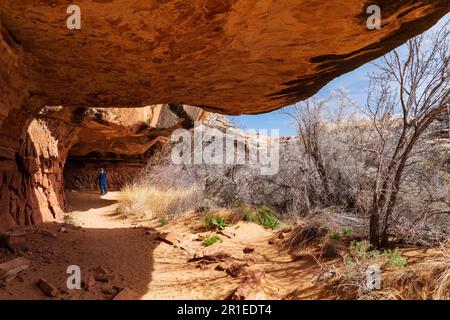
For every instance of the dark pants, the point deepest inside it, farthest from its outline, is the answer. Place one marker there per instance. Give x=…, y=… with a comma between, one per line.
x=103, y=187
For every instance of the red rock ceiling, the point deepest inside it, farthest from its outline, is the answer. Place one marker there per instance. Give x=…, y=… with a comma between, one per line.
x=233, y=56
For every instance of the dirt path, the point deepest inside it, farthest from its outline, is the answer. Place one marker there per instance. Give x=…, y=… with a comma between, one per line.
x=131, y=253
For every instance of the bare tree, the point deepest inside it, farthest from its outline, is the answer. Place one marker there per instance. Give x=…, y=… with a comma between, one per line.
x=405, y=97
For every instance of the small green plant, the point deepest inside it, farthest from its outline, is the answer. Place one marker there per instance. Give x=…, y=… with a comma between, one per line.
x=335, y=236
x=215, y=222
x=163, y=221
x=267, y=218
x=249, y=215
x=349, y=266
x=394, y=258
x=363, y=250
x=211, y=240
x=360, y=249
x=347, y=231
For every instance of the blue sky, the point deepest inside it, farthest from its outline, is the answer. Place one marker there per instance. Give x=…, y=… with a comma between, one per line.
x=355, y=83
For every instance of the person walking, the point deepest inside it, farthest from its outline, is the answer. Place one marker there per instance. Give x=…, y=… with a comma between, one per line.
x=102, y=181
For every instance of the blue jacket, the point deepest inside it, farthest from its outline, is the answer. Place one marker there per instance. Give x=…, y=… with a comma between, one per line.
x=102, y=177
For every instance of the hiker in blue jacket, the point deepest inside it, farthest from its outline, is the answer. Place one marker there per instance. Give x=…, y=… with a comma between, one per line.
x=102, y=181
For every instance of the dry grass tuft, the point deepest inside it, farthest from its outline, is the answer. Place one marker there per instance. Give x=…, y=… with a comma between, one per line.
x=306, y=235
x=150, y=202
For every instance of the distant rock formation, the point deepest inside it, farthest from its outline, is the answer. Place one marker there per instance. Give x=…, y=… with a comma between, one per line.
x=66, y=145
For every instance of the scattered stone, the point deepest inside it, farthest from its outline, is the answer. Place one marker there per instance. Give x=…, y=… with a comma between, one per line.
x=252, y=287
x=47, y=288
x=126, y=294
x=249, y=262
x=236, y=269
x=13, y=267
x=280, y=235
x=200, y=237
x=210, y=256
x=274, y=240
x=109, y=290
x=202, y=266
x=249, y=249
x=89, y=283
x=62, y=230
x=223, y=266
x=100, y=274
x=326, y=275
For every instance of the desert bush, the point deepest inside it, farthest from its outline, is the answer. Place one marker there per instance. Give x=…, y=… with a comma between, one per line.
x=394, y=258
x=213, y=222
x=150, y=202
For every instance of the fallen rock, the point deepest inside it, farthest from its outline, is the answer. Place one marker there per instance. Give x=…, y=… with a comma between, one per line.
x=202, y=266
x=126, y=294
x=109, y=290
x=252, y=287
x=47, y=288
x=249, y=249
x=62, y=230
x=222, y=266
x=249, y=262
x=210, y=256
x=15, y=243
x=100, y=274
x=274, y=240
x=236, y=269
x=199, y=237
x=89, y=283
x=13, y=267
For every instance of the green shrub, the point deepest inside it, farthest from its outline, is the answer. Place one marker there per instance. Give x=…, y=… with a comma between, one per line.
x=211, y=240
x=215, y=222
x=335, y=236
x=362, y=250
x=394, y=258
x=249, y=215
x=267, y=218
x=347, y=231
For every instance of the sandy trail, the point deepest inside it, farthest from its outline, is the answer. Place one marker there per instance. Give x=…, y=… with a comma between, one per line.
x=130, y=251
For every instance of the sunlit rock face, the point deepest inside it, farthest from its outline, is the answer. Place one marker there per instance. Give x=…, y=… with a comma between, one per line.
x=67, y=146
